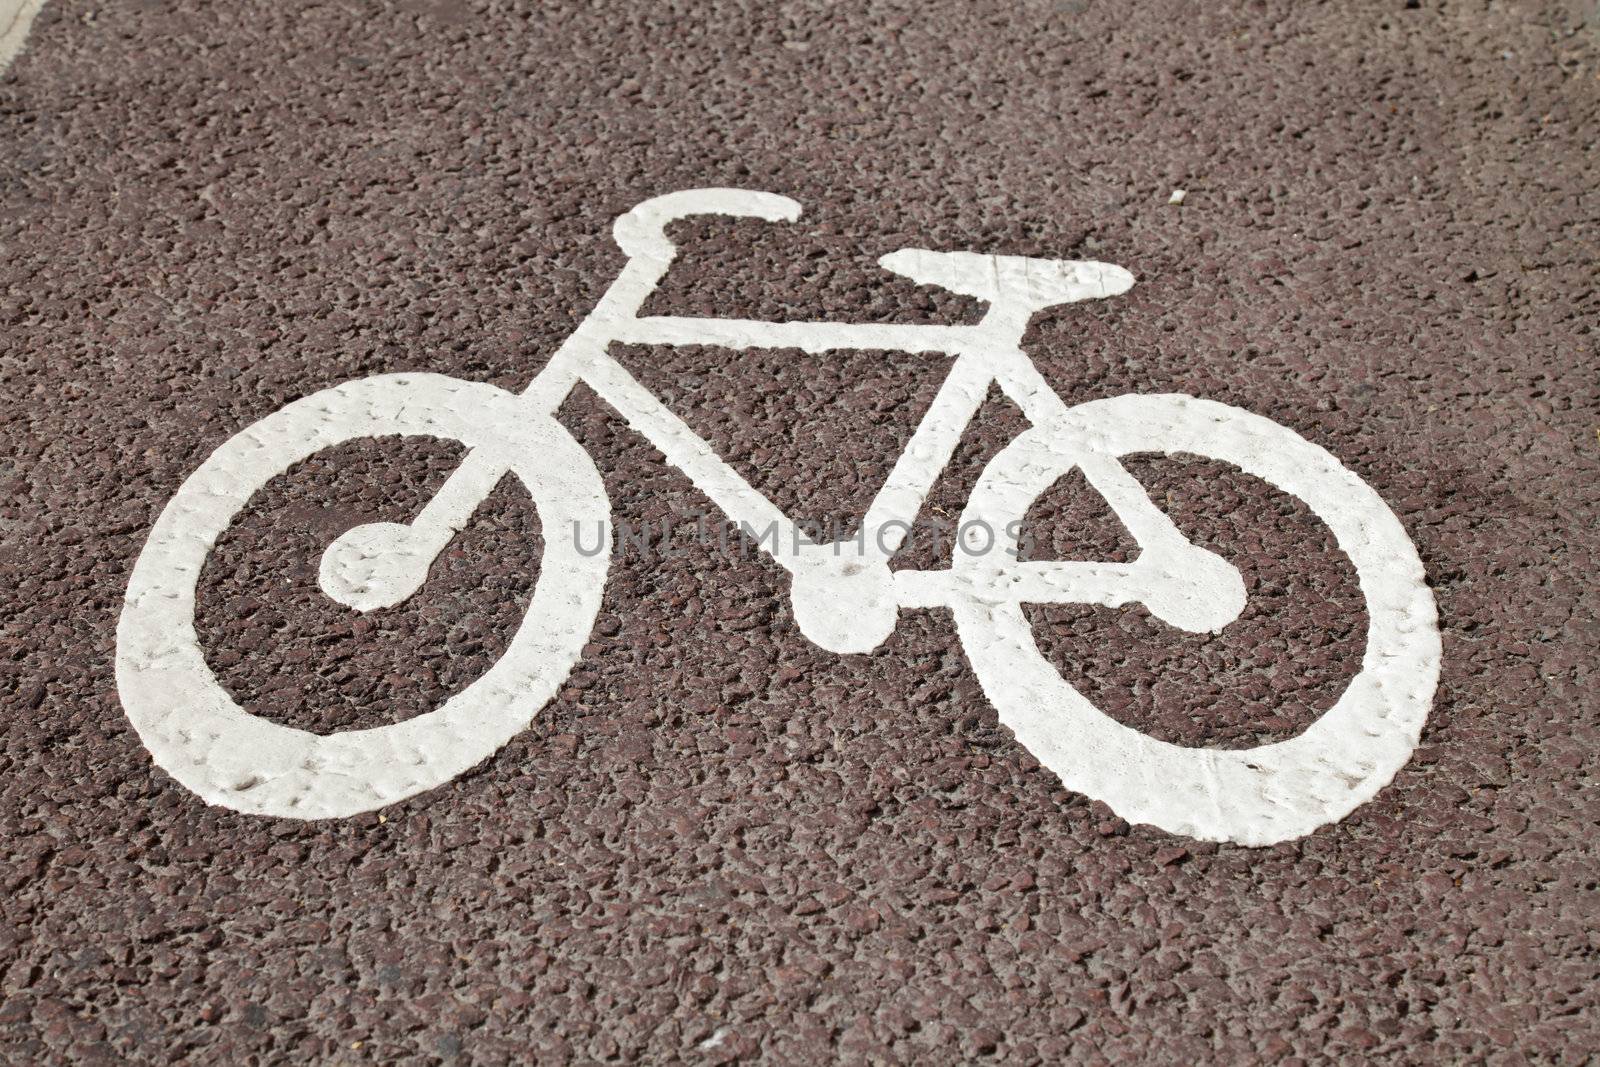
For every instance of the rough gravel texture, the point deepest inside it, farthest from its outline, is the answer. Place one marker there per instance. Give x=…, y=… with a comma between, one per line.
x=720, y=842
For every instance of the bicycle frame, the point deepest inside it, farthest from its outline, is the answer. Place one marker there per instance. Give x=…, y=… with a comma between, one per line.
x=845, y=602
x=985, y=353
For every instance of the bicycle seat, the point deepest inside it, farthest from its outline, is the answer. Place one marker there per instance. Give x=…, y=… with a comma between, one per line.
x=1011, y=280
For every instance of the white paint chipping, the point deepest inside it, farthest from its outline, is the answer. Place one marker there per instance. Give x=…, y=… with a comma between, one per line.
x=847, y=601
x=16, y=18
x=1177, y=196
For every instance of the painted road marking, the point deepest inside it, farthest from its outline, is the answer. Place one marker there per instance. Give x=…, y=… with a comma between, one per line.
x=16, y=18
x=846, y=598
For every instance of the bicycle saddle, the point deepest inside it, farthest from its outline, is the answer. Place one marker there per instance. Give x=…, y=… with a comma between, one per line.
x=1013, y=280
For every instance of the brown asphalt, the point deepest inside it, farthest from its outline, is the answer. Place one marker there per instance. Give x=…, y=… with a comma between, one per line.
x=721, y=842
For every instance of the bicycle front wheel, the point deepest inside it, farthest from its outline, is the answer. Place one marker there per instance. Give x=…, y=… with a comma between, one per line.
x=192, y=726
x=1255, y=796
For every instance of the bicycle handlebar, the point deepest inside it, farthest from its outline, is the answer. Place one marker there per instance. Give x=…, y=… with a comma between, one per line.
x=640, y=232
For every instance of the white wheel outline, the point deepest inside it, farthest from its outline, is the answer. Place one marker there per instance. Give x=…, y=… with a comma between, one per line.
x=1258, y=796
x=198, y=734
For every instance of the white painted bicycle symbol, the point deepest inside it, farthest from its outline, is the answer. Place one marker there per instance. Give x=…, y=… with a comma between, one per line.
x=844, y=601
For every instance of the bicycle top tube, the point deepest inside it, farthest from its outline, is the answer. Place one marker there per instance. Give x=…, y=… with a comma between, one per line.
x=811, y=337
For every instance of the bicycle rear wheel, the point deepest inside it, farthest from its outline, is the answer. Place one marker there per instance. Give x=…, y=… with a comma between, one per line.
x=192, y=726
x=1256, y=796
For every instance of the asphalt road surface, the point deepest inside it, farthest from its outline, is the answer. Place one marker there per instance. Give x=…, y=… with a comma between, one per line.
x=720, y=842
